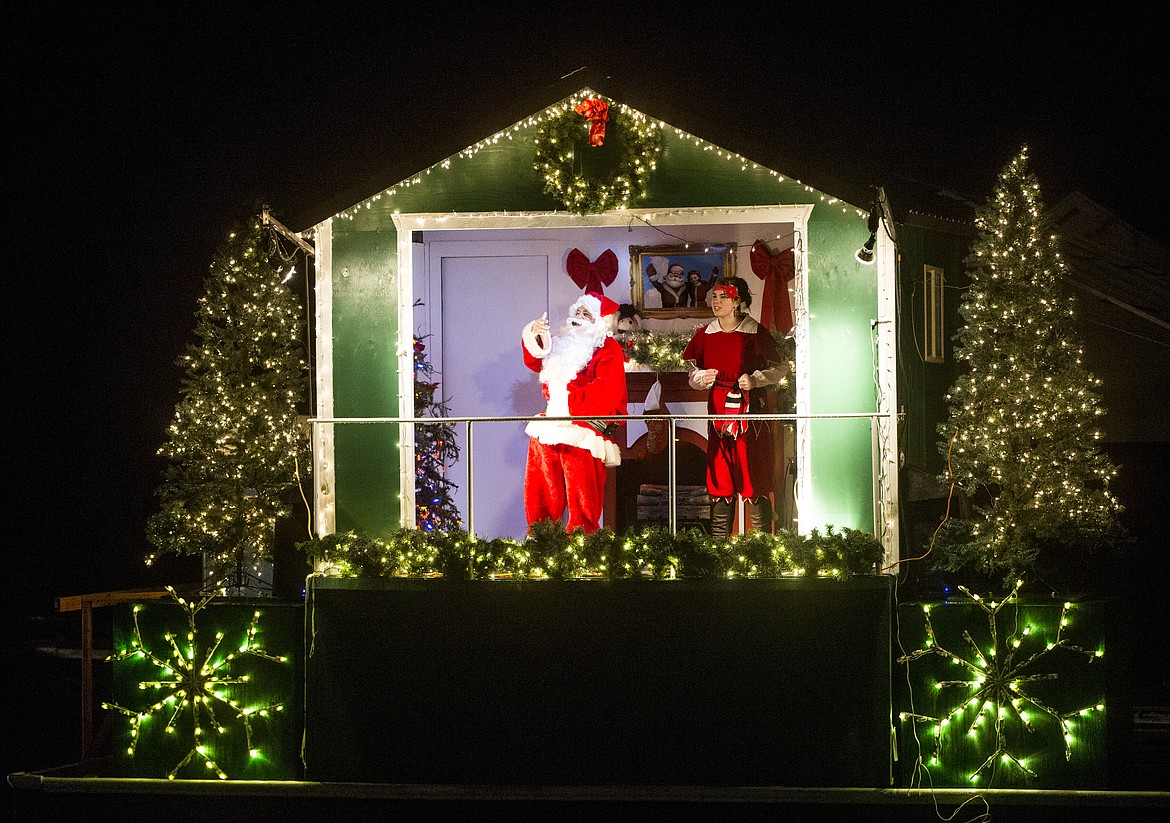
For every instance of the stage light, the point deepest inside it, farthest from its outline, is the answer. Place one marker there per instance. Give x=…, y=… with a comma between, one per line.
x=865, y=255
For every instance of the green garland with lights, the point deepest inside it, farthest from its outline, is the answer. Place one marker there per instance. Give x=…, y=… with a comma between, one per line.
x=657, y=351
x=593, y=179
x=551, y=553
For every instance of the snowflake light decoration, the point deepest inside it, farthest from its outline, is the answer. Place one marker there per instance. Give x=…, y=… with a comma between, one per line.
x=994, y=691
x=196, y=682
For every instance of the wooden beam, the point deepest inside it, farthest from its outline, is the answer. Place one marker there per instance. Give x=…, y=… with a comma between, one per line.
x=76, y=602
x=86, y=603
x=276, y=224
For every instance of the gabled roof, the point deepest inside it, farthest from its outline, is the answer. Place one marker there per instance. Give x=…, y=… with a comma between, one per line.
x=1113, y=261
x=422, y=138
x=427, y=146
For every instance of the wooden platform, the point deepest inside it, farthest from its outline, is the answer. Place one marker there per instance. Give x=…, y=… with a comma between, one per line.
x=686, y=682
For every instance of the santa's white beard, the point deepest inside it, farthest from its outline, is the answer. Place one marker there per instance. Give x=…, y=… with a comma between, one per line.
x=572, y=349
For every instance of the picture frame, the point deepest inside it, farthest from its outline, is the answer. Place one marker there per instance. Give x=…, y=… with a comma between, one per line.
x=655, y=290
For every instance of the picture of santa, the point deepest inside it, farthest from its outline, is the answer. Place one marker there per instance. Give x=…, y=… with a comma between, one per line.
x=671, y=285
x=582, y=373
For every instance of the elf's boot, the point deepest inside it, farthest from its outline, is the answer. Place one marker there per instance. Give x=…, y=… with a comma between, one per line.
x=720, y=516
x=759, y=513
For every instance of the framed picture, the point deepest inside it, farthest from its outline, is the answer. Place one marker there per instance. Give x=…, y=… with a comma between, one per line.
x=673, y=281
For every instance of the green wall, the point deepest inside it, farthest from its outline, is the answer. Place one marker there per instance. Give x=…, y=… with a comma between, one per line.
x=842, y=348
x=923, y=386
x=365, y=377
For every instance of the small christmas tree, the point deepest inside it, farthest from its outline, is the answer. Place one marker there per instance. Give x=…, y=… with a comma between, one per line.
x=234, y=446
x=434, y=449
x=1022, y=436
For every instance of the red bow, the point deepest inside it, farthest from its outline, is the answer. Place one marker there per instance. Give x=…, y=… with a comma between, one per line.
x=596, y=112
x=592, y=276
x=776, y=270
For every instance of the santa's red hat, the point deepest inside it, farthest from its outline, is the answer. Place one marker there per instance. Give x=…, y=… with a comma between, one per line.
x=599, y=307
x=608, y=306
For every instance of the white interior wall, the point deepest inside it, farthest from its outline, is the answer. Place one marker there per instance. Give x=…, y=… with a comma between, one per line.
x=420, y=234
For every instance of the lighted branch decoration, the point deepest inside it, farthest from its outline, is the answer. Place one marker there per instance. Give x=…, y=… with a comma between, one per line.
x=548, y=553
x=993, y=688
x=657, y=351
x=589, y=178
x=196, y=681
x=661, y=351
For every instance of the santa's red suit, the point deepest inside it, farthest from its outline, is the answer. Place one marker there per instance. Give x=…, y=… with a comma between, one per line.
x=582, y=372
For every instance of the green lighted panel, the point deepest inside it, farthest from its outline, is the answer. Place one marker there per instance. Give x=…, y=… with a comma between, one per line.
x=205, y=692
x=1003, y=694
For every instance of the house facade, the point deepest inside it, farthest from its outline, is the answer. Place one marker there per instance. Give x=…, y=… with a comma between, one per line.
x=461, y=255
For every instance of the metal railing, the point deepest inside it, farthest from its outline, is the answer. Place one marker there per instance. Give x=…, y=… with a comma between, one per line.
x=671, y=420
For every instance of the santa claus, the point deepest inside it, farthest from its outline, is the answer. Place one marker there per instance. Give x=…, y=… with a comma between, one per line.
x=582, y=373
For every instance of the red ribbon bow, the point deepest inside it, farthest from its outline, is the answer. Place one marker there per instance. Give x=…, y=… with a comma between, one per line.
x=591, y=277
x=776, y=270
x=596, y=112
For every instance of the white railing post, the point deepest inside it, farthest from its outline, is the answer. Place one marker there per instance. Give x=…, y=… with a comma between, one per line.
x=470, y=494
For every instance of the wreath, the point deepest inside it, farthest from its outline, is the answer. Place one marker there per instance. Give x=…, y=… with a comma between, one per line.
x=588, y=176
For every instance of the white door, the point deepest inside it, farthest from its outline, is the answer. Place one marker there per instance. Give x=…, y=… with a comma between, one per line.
x=480, y=301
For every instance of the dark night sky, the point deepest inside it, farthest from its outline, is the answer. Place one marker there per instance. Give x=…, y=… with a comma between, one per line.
x=138, y=135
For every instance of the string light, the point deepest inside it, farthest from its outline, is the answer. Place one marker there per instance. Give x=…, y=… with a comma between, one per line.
x=435, y=449
x=196, y=682
x=548, y=553
x=527, y=130
x=234, y=444
x=1025, y=415
x=991, y=702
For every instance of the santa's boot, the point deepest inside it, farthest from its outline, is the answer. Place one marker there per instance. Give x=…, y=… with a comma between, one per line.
x=759, y=512
x=720, y=516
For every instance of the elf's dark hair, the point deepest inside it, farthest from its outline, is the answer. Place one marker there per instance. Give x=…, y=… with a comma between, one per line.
x=741, y=286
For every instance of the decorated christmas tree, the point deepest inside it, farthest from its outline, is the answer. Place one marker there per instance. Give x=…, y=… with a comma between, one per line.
x=434, y=449
x=234, y=447
x=1022, y=439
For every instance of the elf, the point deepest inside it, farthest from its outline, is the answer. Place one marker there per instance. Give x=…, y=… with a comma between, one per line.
x=733, y=358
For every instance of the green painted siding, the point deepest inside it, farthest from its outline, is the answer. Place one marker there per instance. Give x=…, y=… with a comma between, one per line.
x=842, y=348
x=923, y=386
x=365, y=377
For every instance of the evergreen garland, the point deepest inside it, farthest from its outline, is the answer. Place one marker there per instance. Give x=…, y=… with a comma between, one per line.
x=550, y=553
x=657, y=351
x=1022, y=435
x=234, y=447
x=662, y=352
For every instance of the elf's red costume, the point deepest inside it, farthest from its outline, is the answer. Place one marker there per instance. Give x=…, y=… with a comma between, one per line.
x=730, y=358
x=582, y=372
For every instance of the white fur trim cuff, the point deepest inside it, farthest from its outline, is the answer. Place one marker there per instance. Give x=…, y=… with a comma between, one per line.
x=531, y=342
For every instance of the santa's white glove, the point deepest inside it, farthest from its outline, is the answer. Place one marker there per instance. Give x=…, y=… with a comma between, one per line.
x=537, y=338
